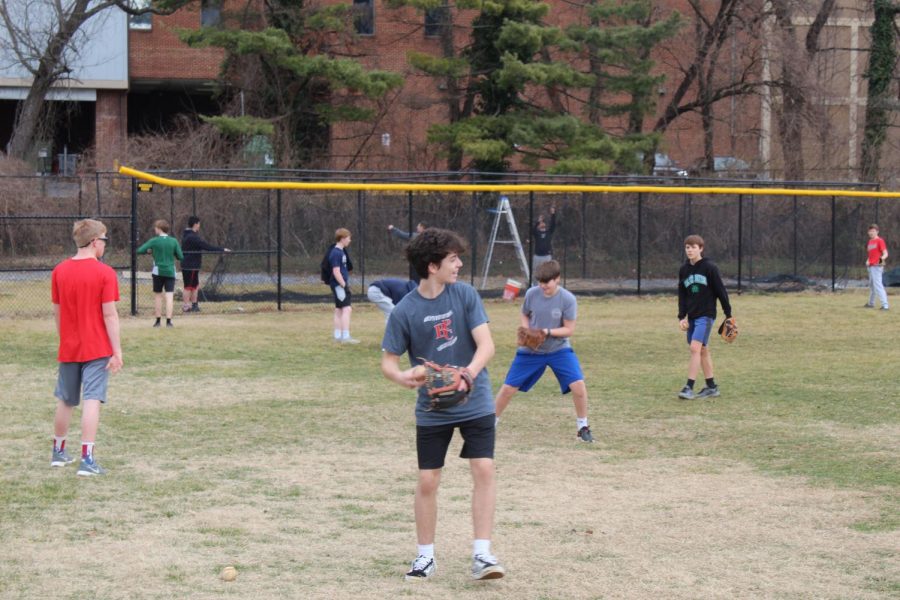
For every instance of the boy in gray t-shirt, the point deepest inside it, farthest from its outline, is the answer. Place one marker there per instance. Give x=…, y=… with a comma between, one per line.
x=553, y=310
x=444, y=321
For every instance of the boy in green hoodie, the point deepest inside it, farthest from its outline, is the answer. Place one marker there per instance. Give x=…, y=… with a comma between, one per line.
x=165, y=250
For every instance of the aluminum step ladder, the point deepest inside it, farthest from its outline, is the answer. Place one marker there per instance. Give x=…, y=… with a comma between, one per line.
x=503, y=209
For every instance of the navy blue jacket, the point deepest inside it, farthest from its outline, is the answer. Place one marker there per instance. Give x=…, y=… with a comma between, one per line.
x=192, y=245
x=394, y=289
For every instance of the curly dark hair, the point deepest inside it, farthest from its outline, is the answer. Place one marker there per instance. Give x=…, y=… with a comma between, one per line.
x=431, y=247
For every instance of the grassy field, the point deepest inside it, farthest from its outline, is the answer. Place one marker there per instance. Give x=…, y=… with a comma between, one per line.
x=252, y=440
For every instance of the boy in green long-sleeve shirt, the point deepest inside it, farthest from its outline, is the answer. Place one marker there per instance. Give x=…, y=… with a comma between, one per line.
x=165, y=250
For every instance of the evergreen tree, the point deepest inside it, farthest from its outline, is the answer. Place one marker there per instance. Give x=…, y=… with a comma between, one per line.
x=282, y=77
x=513, y=90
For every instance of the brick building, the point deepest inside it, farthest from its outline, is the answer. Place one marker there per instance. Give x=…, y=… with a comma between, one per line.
x=162, y=77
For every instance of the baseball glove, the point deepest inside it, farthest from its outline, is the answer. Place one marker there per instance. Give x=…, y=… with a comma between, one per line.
x=442, y=384
x=728, y=329
x=531, y=338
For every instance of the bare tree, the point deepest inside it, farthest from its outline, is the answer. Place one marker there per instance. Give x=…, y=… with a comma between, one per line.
x=796, y=81
x=44, y=37
x=704, y=79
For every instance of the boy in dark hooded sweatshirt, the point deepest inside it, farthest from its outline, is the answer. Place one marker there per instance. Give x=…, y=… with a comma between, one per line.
x=699, y=287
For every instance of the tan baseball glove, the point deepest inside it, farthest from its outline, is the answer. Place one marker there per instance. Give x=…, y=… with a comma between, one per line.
x=728, y=330
x=530, y=338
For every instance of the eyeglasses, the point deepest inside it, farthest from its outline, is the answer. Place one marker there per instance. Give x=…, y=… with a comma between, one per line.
x=104, y=239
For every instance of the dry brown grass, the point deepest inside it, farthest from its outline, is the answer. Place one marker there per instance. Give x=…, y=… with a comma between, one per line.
x=294, y=461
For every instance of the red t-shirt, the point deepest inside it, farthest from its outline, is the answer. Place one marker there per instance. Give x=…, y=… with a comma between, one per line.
x=876, y=248
x=80, y=288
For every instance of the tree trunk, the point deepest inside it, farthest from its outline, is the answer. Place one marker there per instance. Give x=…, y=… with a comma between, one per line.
x=454, y=113
x=50, y=68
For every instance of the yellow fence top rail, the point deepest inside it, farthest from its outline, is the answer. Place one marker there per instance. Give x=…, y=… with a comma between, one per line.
x=510, y=188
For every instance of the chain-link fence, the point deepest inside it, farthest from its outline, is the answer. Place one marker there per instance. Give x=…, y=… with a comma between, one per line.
x=606, y=243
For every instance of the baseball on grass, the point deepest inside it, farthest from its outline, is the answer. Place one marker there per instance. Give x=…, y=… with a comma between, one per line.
x=229, y=574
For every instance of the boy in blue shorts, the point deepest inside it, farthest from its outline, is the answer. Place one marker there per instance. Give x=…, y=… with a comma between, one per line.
x=554, y=309
x=443, y=320
x=699, y=287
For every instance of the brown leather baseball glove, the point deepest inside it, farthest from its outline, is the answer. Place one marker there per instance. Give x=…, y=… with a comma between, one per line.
x=530, y=338
x=728, y=330
x=442, y=383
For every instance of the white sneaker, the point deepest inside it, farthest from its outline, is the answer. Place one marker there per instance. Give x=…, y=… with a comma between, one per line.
x=422, y=568
x=486, y=566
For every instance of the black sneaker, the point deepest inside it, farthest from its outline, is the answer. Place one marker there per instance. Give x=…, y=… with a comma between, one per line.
x=686, y=393
x=422, y=568
x=156, y=324
x=486, y=566
x=584, y=435
x=170, y=324
x=709, y=392
x=195, y=308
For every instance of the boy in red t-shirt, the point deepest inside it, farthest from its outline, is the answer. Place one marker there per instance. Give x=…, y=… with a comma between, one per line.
x=877, y=253
x=84, y=292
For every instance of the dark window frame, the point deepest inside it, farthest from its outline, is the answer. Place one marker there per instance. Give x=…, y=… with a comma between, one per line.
x=364, y=17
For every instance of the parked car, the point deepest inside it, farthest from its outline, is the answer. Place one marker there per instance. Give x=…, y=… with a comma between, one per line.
x=663, y=166
x=729, y=167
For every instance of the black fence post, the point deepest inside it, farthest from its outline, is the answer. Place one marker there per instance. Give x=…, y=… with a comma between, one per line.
x=279, y=244
x=795, y=236
x=97, y=184
x=740, y=237
x=360, y=219
x=565, y=239
x=640, y=226
x=583, y=236
x=530, y=261
x=751, y=249
x=474, y=235
x=409, y=212
x=134, y=247
x=268, y=231
x=833, y=244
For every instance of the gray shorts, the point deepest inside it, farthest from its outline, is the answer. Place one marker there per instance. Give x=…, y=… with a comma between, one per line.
x=82, y=378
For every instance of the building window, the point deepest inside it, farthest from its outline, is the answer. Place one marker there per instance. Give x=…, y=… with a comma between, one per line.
x=210, y=13
x=364, y=16
x=144, y=21
x=434, y=18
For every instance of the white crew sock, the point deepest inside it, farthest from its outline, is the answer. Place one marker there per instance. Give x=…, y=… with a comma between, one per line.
x=426, y=550
x=581, y=422
x=337, y=334
x=481, y=547
x=346, y=334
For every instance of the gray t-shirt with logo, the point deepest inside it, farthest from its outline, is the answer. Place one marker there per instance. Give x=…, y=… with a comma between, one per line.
x=544, y=312
x=440, y=330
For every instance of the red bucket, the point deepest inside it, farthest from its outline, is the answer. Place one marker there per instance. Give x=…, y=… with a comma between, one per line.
x=511, y=289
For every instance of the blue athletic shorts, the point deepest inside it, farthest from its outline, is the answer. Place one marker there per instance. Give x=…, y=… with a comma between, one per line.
x=432, y=441
x=699, y=329
x=88, y=379
x=528, y=367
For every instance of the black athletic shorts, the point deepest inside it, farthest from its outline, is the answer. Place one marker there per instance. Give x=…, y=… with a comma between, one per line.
x=160, y=282
x=338, y=303
x=432, y=441
x=191, y=279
